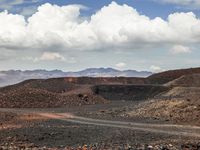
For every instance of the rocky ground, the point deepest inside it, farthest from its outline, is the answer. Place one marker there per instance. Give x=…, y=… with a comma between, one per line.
x=35, y=132
x=54, y=134
x=175, y=110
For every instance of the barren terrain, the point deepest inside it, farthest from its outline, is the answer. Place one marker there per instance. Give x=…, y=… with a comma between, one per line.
x=158, y=112
x=64, y=128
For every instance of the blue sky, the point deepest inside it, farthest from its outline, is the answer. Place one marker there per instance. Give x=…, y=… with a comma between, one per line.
x=147, y=7
x=77, y=34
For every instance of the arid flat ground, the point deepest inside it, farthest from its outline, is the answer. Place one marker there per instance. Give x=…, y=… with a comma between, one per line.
x=100, y=126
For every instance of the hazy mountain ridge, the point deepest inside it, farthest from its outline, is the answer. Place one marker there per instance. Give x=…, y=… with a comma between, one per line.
x=15, y=76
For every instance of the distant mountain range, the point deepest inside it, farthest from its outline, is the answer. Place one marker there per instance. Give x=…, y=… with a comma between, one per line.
x=15, y=76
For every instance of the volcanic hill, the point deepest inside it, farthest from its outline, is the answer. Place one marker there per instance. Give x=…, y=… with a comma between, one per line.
x=67, y=91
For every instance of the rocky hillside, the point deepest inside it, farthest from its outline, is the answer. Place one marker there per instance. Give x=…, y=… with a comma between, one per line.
x=182, y=111
x=191, y=80
x=61, y=92
x=167, y=76
x=37, y=98
x=58, y=92
x=179, y=104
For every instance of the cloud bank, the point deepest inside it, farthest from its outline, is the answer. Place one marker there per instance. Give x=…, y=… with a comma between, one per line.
x=61, y=28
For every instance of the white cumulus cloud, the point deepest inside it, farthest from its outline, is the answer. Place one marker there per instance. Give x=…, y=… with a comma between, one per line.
x=61, y=28
x=178, y=49
x=156, y=68
x=120, y=65
x=51, y=56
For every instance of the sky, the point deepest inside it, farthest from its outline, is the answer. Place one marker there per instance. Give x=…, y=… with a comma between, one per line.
x=71, y=35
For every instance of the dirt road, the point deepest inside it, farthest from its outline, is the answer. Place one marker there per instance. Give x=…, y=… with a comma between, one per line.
x=168, y=129
x=178, y=130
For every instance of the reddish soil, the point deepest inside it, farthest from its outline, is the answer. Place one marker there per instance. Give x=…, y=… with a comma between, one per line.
x=10, y=120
